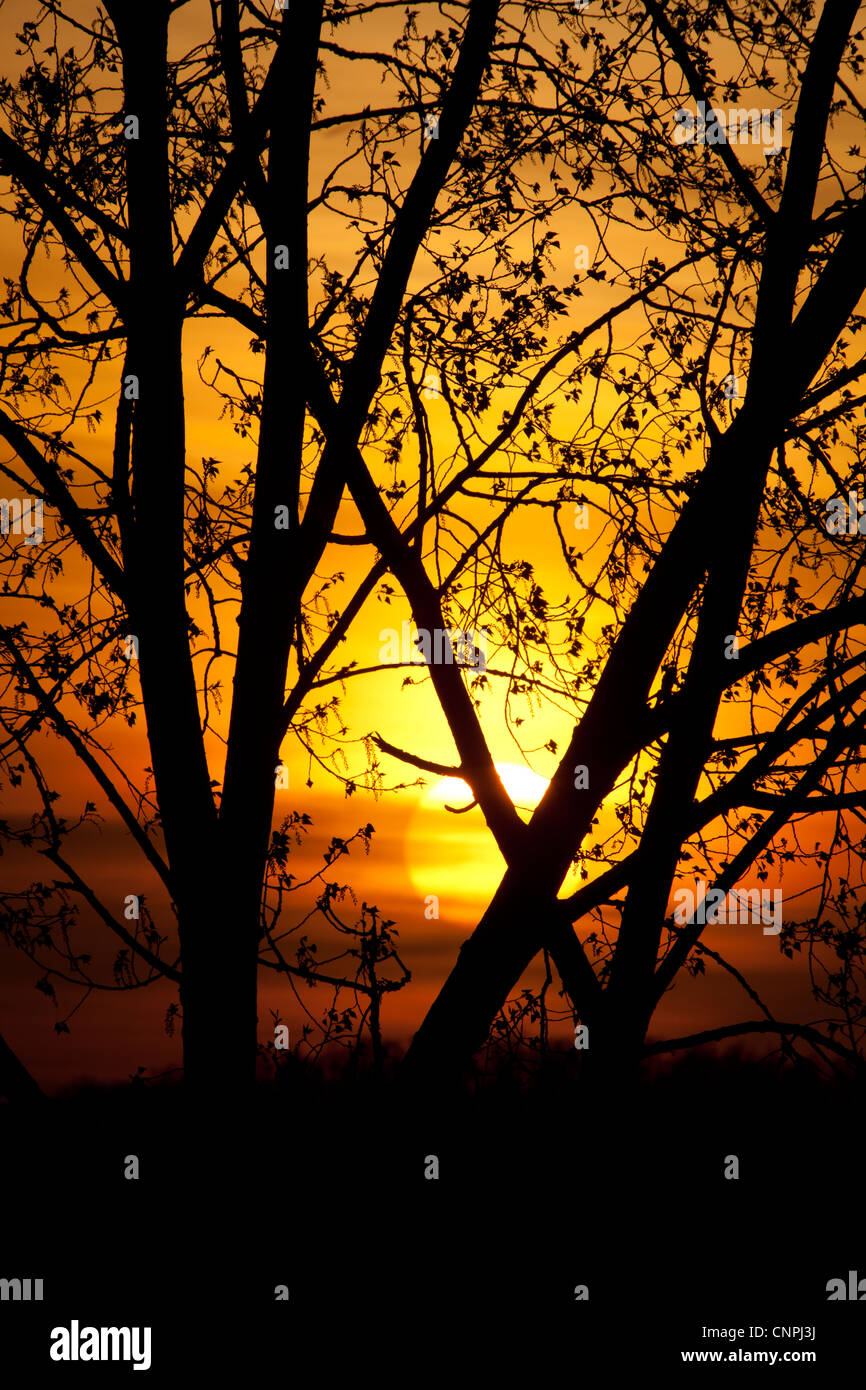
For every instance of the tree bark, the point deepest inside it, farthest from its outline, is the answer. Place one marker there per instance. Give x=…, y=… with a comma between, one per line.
x=16, y=1083
x=511, y=932
x=154, y=556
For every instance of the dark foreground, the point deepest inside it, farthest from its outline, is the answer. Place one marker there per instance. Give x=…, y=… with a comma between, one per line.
x=404, y=1279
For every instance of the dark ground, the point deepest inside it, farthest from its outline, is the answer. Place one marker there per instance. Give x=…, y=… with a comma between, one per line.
x=408, y=1280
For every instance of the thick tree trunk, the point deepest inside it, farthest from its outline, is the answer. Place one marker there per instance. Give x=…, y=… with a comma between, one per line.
x=16, y=1083
x=611, y=1063
x=511, y=931
x=273, y=575
x=149, y=489
x=490, y=963
x=219, y=943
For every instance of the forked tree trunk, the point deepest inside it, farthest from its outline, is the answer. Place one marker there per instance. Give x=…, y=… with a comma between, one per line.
x=149, y=492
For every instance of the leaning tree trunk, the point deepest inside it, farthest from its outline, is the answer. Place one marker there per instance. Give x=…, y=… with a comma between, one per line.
x=512, y=930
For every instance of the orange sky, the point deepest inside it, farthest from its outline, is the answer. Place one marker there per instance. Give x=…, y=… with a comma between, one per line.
x=419, y=847
x=415, y=853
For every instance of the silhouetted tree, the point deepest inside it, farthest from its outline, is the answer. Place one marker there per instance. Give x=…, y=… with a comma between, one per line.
x=168, y=189
x=420, y=259
x=744, y=548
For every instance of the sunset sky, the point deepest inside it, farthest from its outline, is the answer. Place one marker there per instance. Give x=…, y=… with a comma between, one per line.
x=420, y=849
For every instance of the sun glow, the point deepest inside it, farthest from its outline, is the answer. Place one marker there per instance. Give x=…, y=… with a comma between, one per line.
x=524, y=786
x=454, y=856
x=449, y=850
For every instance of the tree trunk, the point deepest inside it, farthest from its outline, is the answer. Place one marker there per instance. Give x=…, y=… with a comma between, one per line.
x=511, y=931
x=219, y=946
x=489, y=965
x=16, y=1083
x=149, y=485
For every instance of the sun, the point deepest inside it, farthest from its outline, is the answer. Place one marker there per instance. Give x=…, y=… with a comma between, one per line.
x=525, y=787
x=454, y=856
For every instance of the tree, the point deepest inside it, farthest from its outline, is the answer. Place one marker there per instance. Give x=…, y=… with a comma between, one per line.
x=178, y=188
x=174, y=188
x=786, y=282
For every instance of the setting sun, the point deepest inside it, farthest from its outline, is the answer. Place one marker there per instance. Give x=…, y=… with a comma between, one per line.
x=524, y=786
x=449, y=849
